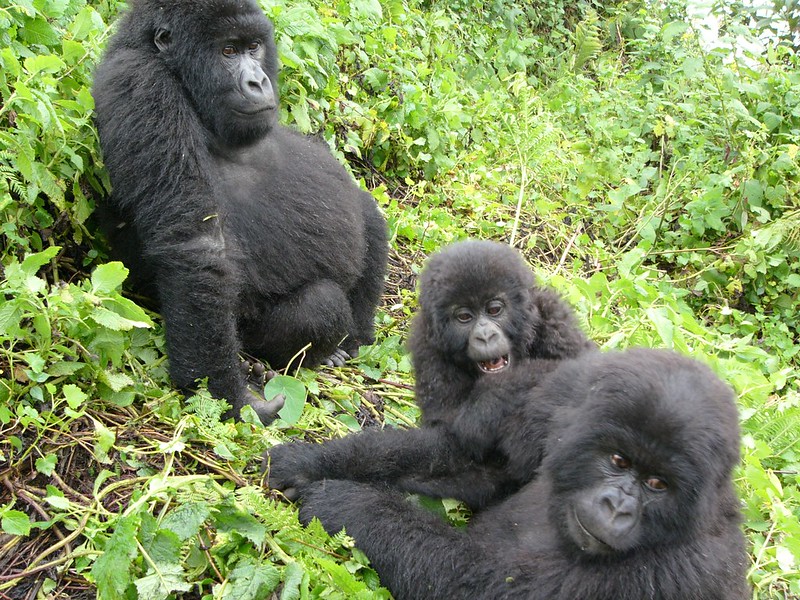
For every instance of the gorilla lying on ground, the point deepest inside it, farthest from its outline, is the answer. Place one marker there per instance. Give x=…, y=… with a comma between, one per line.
x=484, y=335
x=253, y=237
x=634, y=502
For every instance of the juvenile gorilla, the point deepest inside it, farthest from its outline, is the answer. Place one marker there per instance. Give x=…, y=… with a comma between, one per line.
x=253, y=237
x=480, y=312
x=485, y=334
x=634, y=502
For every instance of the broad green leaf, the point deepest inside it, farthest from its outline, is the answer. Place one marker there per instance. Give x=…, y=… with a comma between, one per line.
x=38, y=32
x=46, y=464
x=186, y=520
x=112, y=570
x=116, y=381
x=114, y=321
x=74, y=395
x=86, y=22
x=231, y=518
x=294, y=392
x=108, y=277
x=104, y=441
x=293, y=577
x=33, y=262
x=15, y=522
x=47, y=63
x=251, y=580
x=161, y=581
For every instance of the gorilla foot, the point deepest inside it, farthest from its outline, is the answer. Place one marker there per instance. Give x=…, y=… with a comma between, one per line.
x=337, y=358
x=256, y=372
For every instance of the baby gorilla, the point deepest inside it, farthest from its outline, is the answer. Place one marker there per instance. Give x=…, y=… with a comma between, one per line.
x=485, y=334
x=480, y=312
x=634, y=499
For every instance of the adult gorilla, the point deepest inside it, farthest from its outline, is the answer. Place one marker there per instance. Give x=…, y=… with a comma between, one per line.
x=486, y=332
x=253, y=237
x=635, y=500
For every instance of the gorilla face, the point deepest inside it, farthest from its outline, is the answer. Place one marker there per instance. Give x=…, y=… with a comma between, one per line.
x=646, y=457
x=228, y=66
x=477, y=297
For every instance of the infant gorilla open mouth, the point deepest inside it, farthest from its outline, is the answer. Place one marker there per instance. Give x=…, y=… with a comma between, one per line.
x=494, y=365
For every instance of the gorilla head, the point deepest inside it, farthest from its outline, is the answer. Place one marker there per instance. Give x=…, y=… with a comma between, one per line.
x=476, y=297
x=236, y=96
x=657, y=440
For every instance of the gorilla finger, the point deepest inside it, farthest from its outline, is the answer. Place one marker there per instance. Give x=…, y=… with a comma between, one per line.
x=267, y=411
x=259, y=369
x=292, y=494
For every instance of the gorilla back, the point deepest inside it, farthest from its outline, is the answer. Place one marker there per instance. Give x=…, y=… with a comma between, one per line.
x=252, y=236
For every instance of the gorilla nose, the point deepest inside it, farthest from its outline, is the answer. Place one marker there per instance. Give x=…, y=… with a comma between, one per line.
x=257, y=89
x=485, y=334
x=621, y=511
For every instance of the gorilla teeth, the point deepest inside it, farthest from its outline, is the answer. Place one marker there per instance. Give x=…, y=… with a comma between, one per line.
x=494, y=365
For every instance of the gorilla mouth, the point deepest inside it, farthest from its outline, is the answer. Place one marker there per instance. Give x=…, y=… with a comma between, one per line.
x=591, y=543
x=494, y=365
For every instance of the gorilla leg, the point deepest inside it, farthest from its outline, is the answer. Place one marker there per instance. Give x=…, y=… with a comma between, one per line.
x=318, y=313
x=365, y=294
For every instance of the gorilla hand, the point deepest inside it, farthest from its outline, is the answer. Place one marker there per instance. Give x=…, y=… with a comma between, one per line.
x=291, y=467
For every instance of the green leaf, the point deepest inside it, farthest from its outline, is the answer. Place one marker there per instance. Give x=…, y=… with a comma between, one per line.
x=112, y=570
x=663, y=324
x=229, y=518
x=251, y=580
x=15, y=522
x=293, y=577
x=74, y=395
x=132, y=312
x=104, y=441
x=294, y=391
x=186, y=520
x=47, y=464
x=38, y=32
x=114, y=321
x=47, y=63
x=86, y=22
x=161, y=581
x=108, y=277
x=116, y=381
x=670, y=30
x=33, y=262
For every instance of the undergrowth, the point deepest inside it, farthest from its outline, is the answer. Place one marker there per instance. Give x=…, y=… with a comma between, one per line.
x=650, y=176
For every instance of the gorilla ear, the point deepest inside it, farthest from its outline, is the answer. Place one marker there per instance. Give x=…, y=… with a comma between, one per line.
x=162, y=39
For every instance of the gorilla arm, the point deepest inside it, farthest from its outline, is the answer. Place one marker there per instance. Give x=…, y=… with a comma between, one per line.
x=159, y=177
x=423, y=461
x=417, y=555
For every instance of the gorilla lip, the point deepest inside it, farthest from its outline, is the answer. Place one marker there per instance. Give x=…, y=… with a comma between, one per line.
x=590, y=537
x=494, y=365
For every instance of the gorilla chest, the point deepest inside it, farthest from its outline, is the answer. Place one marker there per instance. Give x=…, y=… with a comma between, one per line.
x=295, y=220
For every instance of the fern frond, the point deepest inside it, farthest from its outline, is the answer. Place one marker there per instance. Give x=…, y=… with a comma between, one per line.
x=587, y=41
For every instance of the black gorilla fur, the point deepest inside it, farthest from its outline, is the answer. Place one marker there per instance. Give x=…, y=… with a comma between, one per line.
x=253, y=237
x=537, y=323
x=479, y=302
x=634, y=502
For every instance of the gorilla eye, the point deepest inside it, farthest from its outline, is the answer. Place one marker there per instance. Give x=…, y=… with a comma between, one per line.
x=463, y=316
x=494, y=308
x=229, y=50
x=656, y=484
x=620, y=462
x=254, y=46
